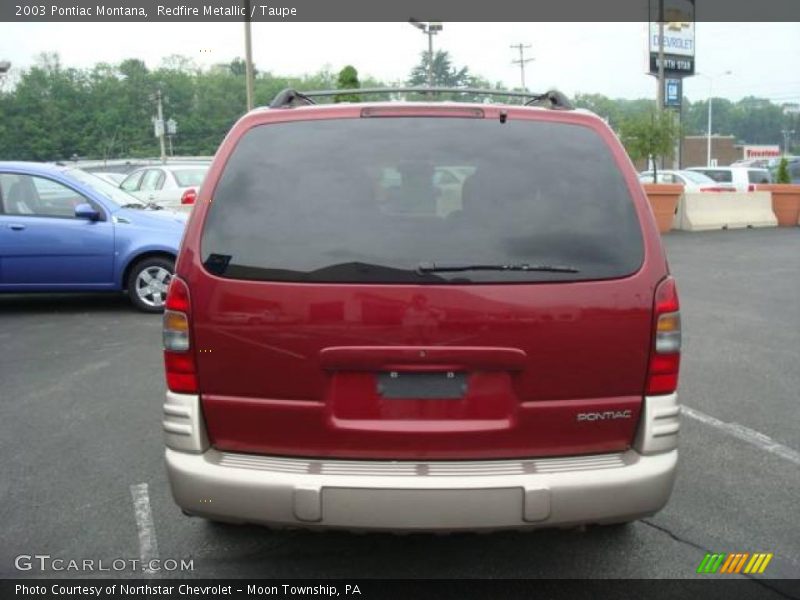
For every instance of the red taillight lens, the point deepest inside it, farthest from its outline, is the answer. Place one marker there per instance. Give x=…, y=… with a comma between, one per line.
x=178, y=296
x=751, y=188
x=181, y=374
x=189, y=196
x=665, y=355
x=178, y=356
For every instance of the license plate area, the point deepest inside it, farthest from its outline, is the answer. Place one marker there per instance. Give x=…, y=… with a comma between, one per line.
x=410, y=385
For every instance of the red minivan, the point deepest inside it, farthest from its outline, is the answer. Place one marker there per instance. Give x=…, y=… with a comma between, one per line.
x=421, y=316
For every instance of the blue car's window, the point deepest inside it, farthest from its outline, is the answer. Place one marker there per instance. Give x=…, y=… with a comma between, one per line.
x=109, y=191
x=27, y=195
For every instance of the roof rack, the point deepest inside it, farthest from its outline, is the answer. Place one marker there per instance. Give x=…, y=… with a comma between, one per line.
x=290, y=97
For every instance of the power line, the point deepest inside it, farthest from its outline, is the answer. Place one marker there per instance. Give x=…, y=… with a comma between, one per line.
x=522, y=61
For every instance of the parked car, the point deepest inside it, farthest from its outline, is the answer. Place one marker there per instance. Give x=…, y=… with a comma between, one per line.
x=113, y=178
x=744, y=179
x=509, y=362
x=169, y=186
x=691, y=181
x=757, y=163
x=65, y=230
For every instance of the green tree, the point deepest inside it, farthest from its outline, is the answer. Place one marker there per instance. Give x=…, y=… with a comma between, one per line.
x=347, y=80
x=649, y=136
x=444, y=73
x=783, y=172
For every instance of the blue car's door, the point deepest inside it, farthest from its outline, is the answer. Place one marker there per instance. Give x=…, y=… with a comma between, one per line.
x=43, y=245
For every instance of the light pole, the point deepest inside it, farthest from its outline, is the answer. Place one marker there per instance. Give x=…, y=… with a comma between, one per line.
x=248, y=57
x=429, y=29
x=710, y=104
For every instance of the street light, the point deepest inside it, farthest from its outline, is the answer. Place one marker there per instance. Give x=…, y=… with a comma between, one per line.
x=710, y=102
x=429, y=29
x=248, y=57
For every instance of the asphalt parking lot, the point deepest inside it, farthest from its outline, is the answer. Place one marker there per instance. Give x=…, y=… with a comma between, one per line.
x=82, y=386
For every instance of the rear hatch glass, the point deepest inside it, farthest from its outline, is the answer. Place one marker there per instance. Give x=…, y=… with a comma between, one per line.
x=421, y=200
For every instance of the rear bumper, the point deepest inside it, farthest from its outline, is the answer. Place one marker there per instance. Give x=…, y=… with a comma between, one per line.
x=421, y=496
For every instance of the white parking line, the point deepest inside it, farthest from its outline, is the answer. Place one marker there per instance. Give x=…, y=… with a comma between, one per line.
x=148, y=546
x=751, y=436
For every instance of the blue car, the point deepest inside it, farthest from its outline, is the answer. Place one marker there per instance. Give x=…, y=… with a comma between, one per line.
x=62, y=229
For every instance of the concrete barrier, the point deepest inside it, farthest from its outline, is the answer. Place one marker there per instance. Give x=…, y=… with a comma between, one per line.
x=703, y=211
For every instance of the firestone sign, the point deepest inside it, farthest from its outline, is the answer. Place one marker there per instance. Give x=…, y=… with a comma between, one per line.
x=761, y=151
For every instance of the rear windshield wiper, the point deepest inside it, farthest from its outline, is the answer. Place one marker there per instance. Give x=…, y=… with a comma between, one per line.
x=433, y=267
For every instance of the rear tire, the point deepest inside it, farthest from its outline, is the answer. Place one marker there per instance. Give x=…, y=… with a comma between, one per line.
x=148, y=282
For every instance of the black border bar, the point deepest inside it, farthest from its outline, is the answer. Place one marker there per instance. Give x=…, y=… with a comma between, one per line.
x=707, y=587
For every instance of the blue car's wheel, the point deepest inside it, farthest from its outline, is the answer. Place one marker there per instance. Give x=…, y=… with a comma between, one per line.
x=148, y=282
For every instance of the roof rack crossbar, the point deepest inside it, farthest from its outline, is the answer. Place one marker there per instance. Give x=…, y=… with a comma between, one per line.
x=550, y=99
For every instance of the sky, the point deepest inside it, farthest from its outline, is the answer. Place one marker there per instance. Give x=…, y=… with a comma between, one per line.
x=605, y=58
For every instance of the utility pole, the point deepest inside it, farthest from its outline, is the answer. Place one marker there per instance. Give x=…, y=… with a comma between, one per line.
x=522, y=62
x=160, y=126
x=248, y=57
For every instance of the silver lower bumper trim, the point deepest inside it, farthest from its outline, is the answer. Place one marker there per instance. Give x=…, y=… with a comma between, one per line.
x=421, y=496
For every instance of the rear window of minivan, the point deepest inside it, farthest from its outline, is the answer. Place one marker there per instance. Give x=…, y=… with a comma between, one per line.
x=371, y=200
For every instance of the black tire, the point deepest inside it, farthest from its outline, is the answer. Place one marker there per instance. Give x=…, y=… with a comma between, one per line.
x=150, y=299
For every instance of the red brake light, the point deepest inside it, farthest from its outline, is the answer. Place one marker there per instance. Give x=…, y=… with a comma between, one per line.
x=178, y=296
x=181, y=373
x=189, y=196
x=666, y=297
x=751, y=188
x=665, y=355
x=422, y=111
x=179, y=361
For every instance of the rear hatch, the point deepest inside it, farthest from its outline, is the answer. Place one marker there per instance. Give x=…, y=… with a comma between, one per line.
x=422, y=287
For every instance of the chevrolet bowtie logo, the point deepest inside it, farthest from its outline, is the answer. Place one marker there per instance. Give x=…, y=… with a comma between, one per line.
x=678, y=25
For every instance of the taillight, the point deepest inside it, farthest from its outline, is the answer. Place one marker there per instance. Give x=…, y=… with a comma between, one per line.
x=178, y=356
x=751, y=188
x=189, y=196
x=665, y=355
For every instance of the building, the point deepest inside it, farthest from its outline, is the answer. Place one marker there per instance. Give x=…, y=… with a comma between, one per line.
x=724, y=149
